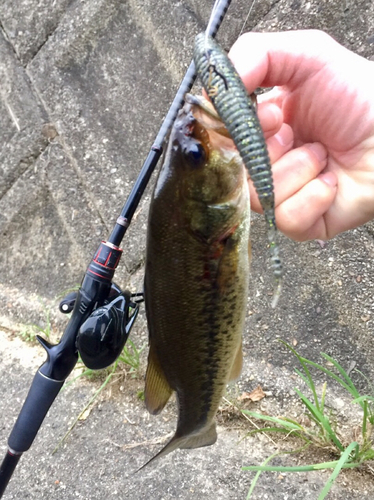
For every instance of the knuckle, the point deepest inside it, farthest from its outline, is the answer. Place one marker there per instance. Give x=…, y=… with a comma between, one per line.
x=319, y=40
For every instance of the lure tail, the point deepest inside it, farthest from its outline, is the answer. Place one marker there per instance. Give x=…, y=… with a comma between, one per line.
x=236, y=110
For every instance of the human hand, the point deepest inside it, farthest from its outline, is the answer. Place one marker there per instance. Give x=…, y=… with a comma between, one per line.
x=319, y=126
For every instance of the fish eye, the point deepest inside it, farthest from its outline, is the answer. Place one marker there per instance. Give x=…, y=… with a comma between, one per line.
x=195, y=154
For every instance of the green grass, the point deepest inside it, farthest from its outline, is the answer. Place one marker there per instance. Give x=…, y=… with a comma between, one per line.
x=324, y=431
x=130, y=357
x=29, y=332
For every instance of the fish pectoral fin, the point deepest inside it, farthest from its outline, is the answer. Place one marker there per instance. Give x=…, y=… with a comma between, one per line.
x=228, y=262
x=205, y=438
x=157, y=390
x=237, y=365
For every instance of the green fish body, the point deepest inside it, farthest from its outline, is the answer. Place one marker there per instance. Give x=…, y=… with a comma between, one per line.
x=197, y=272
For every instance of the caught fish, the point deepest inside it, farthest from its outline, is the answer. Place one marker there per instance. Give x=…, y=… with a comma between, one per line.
x=238, y=113
x=197, y=272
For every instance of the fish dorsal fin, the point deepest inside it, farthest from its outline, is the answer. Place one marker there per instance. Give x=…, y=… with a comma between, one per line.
x=157, y=390
x=237, y=365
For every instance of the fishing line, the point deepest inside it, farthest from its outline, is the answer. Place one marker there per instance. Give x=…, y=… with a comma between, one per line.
x=246, y=19
x=211, y=20
x=213, y=69
x=218, y=12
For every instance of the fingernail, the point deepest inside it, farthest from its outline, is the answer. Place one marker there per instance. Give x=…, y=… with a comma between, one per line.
x=284, y=136
x=329, y=178
x=318, y=150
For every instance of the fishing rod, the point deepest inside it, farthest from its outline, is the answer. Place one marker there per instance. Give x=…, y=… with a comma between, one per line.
x=99, y=305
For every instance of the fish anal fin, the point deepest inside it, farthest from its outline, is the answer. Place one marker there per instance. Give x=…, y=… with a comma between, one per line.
x=237, y=364
x=157, y=390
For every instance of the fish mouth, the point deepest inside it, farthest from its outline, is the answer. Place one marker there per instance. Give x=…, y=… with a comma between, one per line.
x=201, y=122
x=203, y=154
x=204, y=112
x=190, y=139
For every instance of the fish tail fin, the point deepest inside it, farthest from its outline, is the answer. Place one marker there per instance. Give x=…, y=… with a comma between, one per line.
x=205, y=438
x=172, y=445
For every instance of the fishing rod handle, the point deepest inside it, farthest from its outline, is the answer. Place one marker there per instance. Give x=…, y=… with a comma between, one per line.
x=42, y=393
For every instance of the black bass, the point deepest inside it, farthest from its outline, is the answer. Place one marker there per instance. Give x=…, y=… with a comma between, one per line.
x=238, y=113
x=197, y=272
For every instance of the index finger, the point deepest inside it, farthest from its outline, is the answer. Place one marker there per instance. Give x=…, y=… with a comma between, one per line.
x=274, y=59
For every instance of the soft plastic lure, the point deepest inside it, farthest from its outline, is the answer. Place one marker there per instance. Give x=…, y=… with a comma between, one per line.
x=237, y=111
